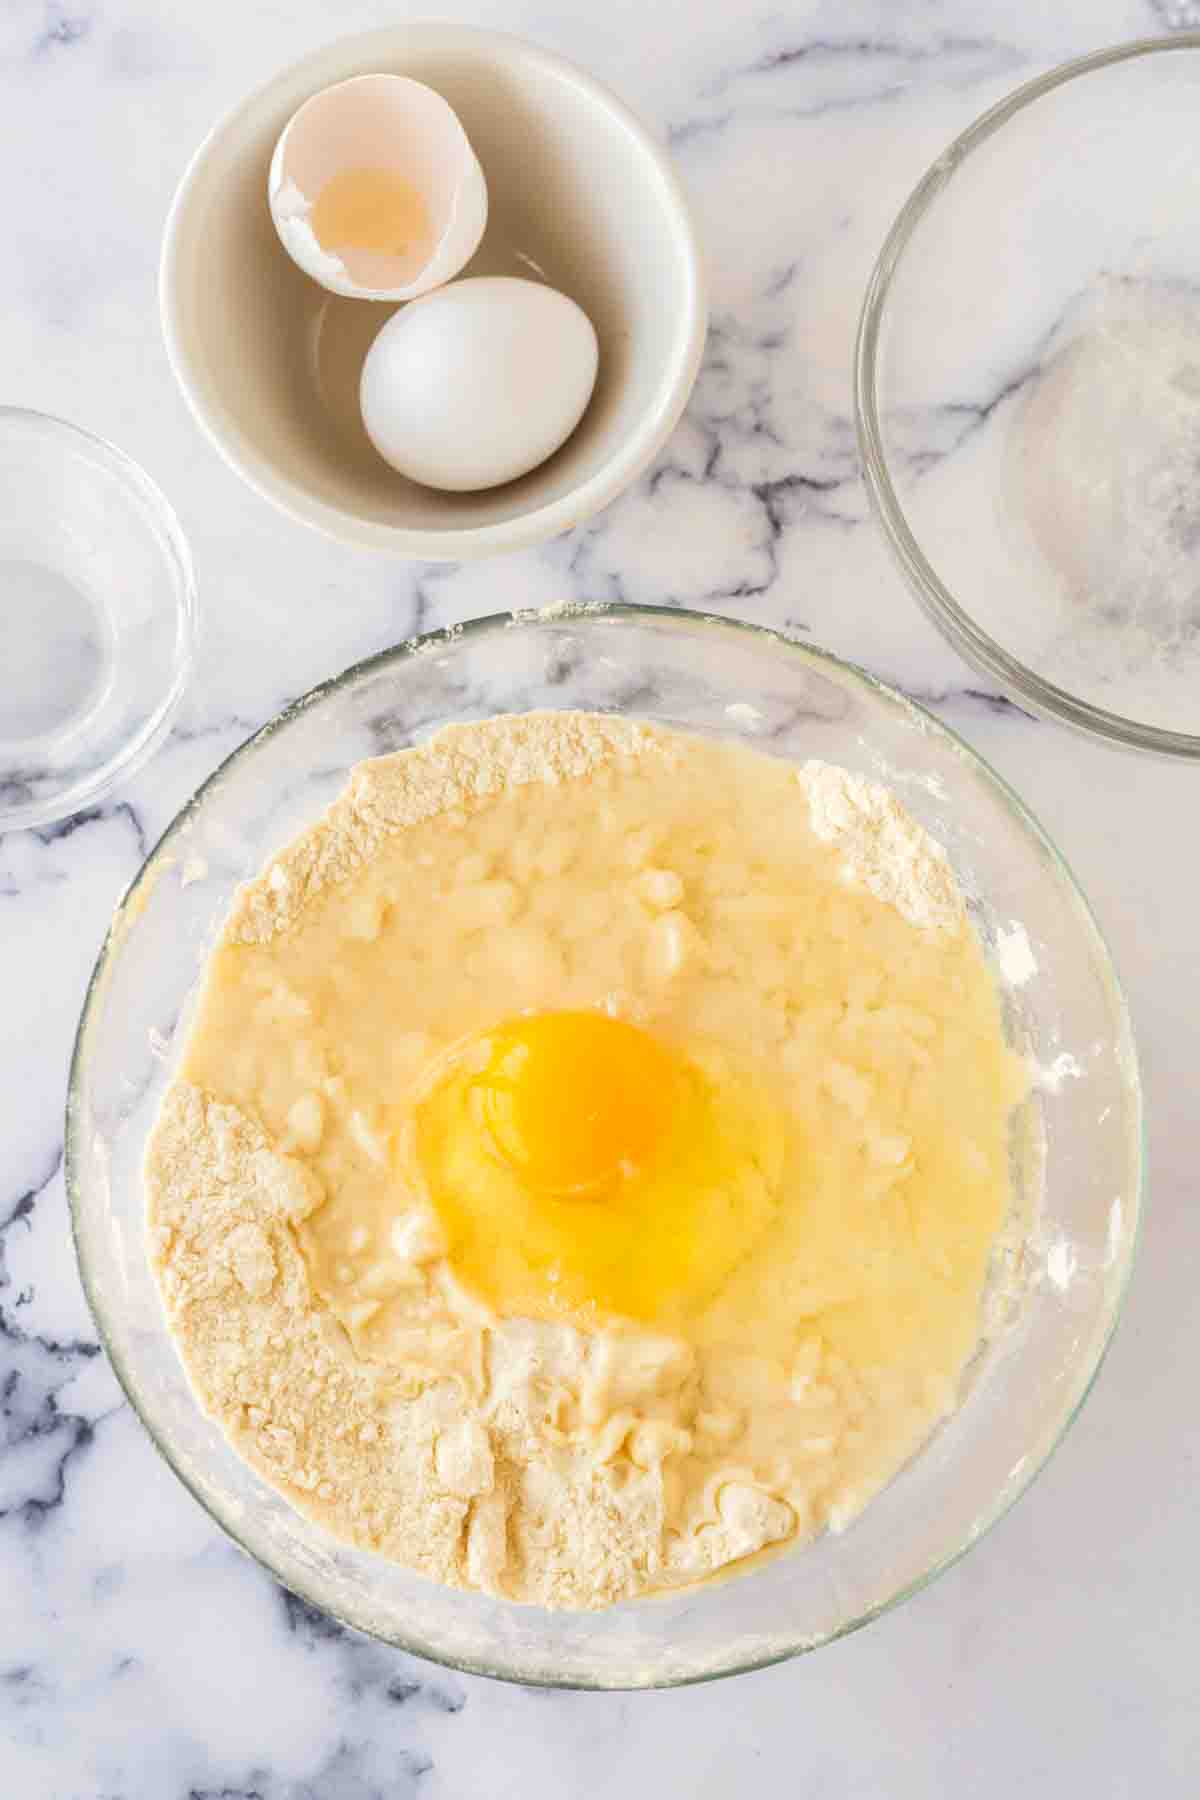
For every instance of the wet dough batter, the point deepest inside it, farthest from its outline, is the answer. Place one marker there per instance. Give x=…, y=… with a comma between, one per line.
x=572, y=1390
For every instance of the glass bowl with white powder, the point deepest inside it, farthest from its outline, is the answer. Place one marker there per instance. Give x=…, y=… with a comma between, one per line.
x=1028, y=394
x=1056, y=1284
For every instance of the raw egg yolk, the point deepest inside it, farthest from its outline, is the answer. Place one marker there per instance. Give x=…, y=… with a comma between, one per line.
x=582, y=1168
x=575, y=1102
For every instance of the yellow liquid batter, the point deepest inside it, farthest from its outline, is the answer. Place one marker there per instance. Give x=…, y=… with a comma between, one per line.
x=785, y=1150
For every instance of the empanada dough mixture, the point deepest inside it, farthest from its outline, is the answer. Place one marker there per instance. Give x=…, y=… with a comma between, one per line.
x=586, y=1157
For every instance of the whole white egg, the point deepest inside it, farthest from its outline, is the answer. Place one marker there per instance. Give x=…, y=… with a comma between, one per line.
x=479, y=382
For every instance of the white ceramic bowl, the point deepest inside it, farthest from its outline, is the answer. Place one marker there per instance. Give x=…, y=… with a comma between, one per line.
x=578, y=192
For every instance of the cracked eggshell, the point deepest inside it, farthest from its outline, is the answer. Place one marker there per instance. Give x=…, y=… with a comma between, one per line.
x=384, y=122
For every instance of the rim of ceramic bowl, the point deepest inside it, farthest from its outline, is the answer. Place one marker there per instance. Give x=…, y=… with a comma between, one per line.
x=605, y=613
x=435, y=544
x=1018, y=680
x=177, y=557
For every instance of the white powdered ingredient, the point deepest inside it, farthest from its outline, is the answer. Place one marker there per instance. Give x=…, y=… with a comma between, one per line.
x=1104, y=462
x=1014, y=955
x=882, y=845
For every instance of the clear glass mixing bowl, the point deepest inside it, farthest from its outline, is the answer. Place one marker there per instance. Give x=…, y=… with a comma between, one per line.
x=1027, y=388
x=1082, y=1125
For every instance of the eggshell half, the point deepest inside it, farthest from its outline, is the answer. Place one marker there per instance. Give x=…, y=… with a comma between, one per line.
x=383, y=122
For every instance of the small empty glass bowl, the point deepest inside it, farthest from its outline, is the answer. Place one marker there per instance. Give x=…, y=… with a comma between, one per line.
x=97, y=612
x=1028, y=394
x=1077, y=1149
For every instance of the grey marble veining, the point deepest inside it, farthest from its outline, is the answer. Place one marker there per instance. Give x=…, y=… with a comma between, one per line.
x=142, y=1657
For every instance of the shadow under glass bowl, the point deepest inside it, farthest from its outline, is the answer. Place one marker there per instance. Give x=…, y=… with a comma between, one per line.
x=1027, y=389
x=97, y=617
x=739, y=682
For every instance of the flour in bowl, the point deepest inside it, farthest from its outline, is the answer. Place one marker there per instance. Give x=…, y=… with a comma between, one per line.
x=585, y=1161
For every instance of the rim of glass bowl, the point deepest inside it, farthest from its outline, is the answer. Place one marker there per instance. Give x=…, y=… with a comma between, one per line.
x=1020, y=682
x=604, y=614
x=178, y=558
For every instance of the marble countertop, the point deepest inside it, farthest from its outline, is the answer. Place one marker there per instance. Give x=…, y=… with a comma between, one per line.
x=142, y=1657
